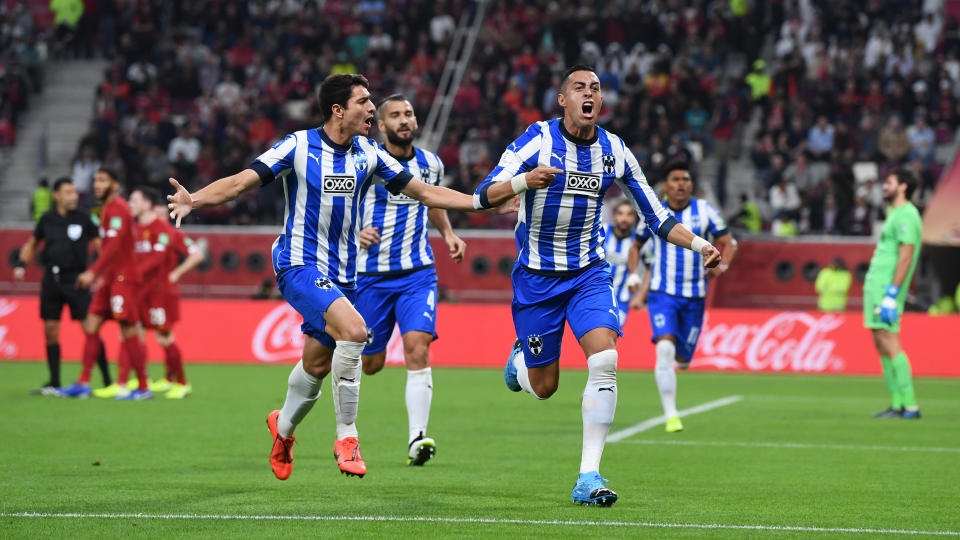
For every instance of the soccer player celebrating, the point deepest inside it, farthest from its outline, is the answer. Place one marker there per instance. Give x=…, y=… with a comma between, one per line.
x=618, y=240
x=65, y=233
x=563, y=167
x=678, y=286
x=326, y=172
x=118, y=293
x=397, y=282
x=885, y=290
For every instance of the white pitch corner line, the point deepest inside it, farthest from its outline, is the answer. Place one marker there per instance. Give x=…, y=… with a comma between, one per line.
x=494, y=521
x=802, y=446
x=622, y=434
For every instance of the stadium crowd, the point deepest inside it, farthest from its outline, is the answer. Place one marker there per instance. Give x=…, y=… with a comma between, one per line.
x=23, y=53
x=196, y=90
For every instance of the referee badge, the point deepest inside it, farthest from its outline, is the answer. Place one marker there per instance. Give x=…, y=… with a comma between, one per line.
x=74, y=231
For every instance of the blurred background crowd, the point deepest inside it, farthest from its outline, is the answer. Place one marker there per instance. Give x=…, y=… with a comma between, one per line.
x=790, y=111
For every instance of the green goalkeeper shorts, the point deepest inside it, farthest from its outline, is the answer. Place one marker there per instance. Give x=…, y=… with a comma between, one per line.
x=872, y=296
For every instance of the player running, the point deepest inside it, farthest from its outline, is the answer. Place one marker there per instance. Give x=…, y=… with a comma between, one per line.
x=117, y=296
x=326, y=172
x=564, y=167
x=677, y=285
x=618, y=237
x=65, y=233
x=397, y=282
x=885, y=290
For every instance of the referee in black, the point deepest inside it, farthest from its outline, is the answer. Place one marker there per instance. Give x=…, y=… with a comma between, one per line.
x=66, y=233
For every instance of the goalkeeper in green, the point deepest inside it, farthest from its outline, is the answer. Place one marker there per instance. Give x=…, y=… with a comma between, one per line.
x=885, y=290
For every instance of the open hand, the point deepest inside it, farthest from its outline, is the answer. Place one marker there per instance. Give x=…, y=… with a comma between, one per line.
x=457, y=247
x=180, y=202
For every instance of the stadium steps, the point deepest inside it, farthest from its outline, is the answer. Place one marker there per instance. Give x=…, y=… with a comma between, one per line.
x=49, y=132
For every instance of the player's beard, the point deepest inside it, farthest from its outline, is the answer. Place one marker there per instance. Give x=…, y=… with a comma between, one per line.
x=107, y=194
x=397, y=139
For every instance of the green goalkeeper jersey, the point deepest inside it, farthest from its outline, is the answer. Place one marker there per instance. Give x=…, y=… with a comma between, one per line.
x=902, y=226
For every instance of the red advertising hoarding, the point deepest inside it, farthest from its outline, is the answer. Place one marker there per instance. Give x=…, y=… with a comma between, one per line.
x=248, y=331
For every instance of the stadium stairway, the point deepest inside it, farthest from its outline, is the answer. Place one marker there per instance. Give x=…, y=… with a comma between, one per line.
x=49, y=132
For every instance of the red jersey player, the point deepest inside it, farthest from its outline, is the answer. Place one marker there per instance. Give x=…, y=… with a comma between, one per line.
x=159, y=247
x=116, y=297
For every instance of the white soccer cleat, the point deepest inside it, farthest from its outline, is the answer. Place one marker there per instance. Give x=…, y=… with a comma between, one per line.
x=421, y=450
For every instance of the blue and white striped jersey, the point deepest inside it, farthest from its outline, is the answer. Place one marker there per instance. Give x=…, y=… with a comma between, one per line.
x=677, y=271
x=558, y=229
x=323, y=183
x=400, y=220
x=616, y=250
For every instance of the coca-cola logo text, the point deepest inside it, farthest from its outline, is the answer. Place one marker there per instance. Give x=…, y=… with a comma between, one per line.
x=278, y=337
x=788, y=341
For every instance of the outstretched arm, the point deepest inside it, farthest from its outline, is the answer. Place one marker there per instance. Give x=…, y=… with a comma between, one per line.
x=223, y=190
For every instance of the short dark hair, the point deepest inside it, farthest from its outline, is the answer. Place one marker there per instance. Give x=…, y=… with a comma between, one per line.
x=904, y=176
x=677, y=165
x=111, y=173
x=60, y=182
x=336, y=90
x=570, y=71
x=150, y=193
x=391, y=97
x=622, y=202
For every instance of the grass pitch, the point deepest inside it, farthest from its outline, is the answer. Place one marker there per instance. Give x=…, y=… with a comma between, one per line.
x=798, y=457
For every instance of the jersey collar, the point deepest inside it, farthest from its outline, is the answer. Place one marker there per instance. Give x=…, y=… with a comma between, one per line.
x=327, y=140
x=576, y=140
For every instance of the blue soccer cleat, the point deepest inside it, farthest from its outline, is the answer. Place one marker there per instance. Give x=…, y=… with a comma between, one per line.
x=76, y=390
x=510, y=372
x=590, y=490
x=911, y=415
x=136, y=395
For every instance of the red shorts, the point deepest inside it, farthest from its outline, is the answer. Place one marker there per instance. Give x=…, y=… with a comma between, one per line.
x=117, y=299
x=161, y=309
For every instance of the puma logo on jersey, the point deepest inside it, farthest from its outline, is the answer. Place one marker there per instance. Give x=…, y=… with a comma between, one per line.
x=315, y=157
x=585, y=183
x=339, y=184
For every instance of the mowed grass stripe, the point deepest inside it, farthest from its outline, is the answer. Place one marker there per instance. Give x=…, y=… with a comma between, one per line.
x=750, y=444
x=485, y=521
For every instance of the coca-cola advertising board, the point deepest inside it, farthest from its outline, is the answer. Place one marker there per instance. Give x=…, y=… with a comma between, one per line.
x=250, y=331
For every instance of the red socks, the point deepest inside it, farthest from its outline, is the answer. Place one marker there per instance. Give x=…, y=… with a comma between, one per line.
x=137, y=356
x=91, y=350
x=175, y=364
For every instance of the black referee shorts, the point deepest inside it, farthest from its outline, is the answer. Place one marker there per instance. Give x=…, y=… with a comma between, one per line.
x=54, y=294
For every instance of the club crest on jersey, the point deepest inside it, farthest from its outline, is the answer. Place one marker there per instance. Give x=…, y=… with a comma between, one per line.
x=609, y=164
x=585, y=183
x=74, y=231
x=323, y=283
x=369, y=336
x=360, y=162
x=535, y=344
x=339, y=184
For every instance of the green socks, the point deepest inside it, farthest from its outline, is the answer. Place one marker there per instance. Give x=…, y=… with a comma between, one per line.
x=890, y=377
x=901, y=370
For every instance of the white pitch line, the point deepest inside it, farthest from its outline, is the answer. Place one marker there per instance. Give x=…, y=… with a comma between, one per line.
x=617, y=436
x=556, y=522
x=802, y=446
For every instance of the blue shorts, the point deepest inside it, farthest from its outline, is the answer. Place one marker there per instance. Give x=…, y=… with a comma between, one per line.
x=311, y=292
x=680, y=317
x=623, y=309
x=409, y=300
x=542, y=303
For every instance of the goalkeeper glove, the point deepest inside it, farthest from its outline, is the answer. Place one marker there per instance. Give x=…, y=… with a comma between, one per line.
x=888, y=307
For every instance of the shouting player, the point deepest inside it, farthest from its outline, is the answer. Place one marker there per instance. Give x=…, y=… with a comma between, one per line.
x=564, y=167
x=397, y=282
x=678, y=286
x=885, y=290
x=326, y=172
x=117, y=296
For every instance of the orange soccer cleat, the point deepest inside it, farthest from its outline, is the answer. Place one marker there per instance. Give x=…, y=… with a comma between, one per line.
x=281, y=456
x=347, y=452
